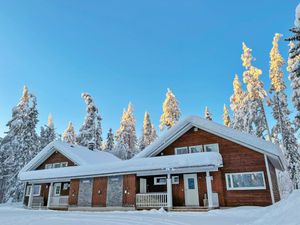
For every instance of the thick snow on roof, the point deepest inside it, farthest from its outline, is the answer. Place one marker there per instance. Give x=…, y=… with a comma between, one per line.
x=241, y=138
x=207, y=159
x=78, y=154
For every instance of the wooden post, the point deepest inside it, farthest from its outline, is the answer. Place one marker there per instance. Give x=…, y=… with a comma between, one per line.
x=209, y=190
x=169, y=192
x=50, y=190
x=30, y=196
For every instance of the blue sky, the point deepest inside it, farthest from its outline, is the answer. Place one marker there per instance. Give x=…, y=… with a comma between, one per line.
x=121, y=51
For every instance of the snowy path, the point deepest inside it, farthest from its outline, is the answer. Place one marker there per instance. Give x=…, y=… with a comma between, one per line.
x=18, y=216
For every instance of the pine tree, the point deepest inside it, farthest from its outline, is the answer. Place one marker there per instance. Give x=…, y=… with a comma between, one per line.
x=171, y=111
x=90, y=131
x=69, y=134
x=283, y=131
x=126, y=135
x=238, y=105
x=109, y=145
x=207, y=114
x=47, y=134
x=147, y=136
x=226, y=117
x=20, y=145
x=255, y=121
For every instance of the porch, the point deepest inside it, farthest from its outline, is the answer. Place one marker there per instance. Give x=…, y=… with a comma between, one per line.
x=176, y=191
x=47, y=195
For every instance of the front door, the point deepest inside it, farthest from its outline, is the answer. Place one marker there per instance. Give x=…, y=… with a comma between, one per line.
x=191, y=190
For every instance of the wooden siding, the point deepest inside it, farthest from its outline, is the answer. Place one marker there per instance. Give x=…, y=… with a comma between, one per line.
x=73, y=193
x=56, y=157
x=99, y=192
x=129, y=190
x=236, y=158
x=274, y=182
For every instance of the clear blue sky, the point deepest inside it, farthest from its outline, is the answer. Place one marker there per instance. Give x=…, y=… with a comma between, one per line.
x=121, y=51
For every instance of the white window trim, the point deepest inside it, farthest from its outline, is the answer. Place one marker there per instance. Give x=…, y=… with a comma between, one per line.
x=64, y=163
x=173, y=180
x=54, y=189
x=28, y=190
x=244, y=188
x=176, y=150
x=56, y=164
x=202, y=148
x=157, y=183
x=49, y=165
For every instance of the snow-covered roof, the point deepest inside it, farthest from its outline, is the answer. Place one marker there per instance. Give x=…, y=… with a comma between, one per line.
x=205, y=160
x=78, y=154
x=273, y=151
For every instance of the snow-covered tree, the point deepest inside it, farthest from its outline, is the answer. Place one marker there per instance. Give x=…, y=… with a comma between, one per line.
x=255, y=121
x=126, y=135
x=47, y=134
x=207, y=114
x=147, y=136
x=90, y=131
x=237, y=105
x=226, y=117
x=171, y=111
x=282, y=132
x=20, y=145
x=110, y=142
x=69, y=134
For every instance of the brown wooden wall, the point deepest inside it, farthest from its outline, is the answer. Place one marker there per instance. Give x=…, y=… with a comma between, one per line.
x=73, y=193
x=99, y=192
x=274, y=182
x=236, y=158
x=56, y=157
x=129, y=190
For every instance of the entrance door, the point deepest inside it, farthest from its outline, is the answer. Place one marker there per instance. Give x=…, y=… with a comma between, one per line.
x=191, y=190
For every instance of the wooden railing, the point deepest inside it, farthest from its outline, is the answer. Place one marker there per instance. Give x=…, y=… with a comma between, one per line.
x=59, y=201
x=151, y=200
x=37, y=202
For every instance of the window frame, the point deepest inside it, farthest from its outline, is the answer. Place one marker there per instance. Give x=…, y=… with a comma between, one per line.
x=178, y=148
x=173, y=180
x=48, y=166
x=54, y=189
x=28, y=190
x=194, y=146
x=56, y=164
x=63, y=163
x=229, y=178
x=156, y=180
x=214, y=144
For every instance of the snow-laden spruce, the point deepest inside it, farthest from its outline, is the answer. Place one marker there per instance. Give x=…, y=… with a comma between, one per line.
x=226, y=117
x=207, y=114
x=148, y=132
x=237, y=104
x=282, y=132
x=47, y=134
x=110, y=142
x=69, y=134
x=19, y=146
x=171, y=111
x=255, y=120
x=90, y=131
x=126, y=139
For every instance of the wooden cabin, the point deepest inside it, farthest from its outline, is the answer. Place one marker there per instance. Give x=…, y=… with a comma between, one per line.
x=195, y=164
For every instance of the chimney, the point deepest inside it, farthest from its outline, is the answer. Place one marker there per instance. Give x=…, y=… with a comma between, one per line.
x=91, y=145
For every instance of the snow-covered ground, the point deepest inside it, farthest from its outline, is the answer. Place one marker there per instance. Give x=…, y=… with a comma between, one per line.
x=287, y=212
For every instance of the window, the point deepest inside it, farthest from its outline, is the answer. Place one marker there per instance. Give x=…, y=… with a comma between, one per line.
x=56, y=165
x=211, y=148
x=175, y=179
x=36, y=190
x=48, y=166
x=191, y=183
x=160, y=180
x=57, y=187
x=181, y=150
x=66, y=186
x=196, y=149
x=245, y=181
x=64, y=164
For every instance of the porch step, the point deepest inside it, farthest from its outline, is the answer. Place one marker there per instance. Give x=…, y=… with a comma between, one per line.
x=189, y=209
